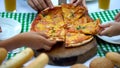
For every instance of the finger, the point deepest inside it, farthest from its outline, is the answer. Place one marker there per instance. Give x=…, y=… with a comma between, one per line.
x=0, y=29
x=42, y=3
x=37, y=5
x=49, y=42
x=105, y=25
x=100, y=30
x=84, y=3
x=117, y=20
x=117, y=16
x=42, y=34
x=46, y=47
x=31, y=3
x=78, y=2
x=106, y=32
x=72, y=1
x=49, y=3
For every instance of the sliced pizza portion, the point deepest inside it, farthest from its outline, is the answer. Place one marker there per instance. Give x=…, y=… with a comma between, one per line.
x=76, y=25
x=42, y=22
x=55, y=14
x=72, y=13
x=58, y=34
x=90, y=27
x=74, y=39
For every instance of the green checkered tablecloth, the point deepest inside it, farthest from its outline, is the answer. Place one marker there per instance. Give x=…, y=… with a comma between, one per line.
x=26, y=18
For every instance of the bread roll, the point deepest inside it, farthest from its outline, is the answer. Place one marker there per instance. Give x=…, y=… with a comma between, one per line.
x=3, y=54
x=39, y=62
x=101, y=63
x=18, y=60
x=78, y=66
x=114, y=57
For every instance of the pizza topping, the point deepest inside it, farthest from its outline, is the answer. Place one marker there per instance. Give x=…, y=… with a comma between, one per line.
x=80, y=27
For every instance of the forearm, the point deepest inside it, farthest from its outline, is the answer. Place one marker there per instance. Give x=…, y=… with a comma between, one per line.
x=11, y=43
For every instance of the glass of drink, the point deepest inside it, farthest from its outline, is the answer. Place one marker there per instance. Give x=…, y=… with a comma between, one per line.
x=10, y=5
x=104, y=4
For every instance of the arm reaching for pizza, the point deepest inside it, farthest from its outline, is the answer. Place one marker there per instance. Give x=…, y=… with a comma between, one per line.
x=110, y=29
x=40, y=5
x=34, y=40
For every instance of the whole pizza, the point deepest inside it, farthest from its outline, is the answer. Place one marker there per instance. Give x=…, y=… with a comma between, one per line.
x=67, y=23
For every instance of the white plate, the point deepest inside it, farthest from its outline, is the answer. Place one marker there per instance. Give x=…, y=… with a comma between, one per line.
x=113, y=39
x=9, y=28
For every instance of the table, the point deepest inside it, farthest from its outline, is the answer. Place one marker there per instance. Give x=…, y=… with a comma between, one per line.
x=25, y=14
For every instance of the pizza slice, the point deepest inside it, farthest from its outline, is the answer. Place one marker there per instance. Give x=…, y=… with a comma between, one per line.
x=71, y=13
x=55, y=14
x=90, y=27
x=74, y=39
x=58, y=35
x=75, y=26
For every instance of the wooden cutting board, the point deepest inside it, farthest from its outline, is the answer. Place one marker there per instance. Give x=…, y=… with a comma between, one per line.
x=59, y=55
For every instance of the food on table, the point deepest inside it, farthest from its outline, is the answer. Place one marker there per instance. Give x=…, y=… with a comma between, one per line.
x=3, y=54
x=79, y=66
x=67, y=23
x=114, y=57
x=39, y=62
x=19, y=59
x=101, y=62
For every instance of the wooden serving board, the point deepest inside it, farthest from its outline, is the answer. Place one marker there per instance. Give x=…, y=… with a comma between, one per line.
x=59, y=55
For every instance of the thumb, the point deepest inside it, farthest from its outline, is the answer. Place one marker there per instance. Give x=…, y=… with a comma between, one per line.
x=72, y=1
x=106, y=32
x=42, y=34
x=50, y=42
x=105, y=25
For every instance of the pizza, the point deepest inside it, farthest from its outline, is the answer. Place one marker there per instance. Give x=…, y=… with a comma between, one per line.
x=66, y=23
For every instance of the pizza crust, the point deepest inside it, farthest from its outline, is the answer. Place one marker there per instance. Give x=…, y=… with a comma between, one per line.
x=79, y=44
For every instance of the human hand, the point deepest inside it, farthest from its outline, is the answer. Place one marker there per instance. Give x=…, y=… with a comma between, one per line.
x=0, y=29
x=40, y=5
x=35, y=40
x=110, y=29
x=117, y=17
x=78, y=2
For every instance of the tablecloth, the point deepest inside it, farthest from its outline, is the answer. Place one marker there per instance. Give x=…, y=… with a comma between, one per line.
x=26, y=18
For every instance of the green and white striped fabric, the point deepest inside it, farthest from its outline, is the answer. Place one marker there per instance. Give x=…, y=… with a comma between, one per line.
x=26, y=18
